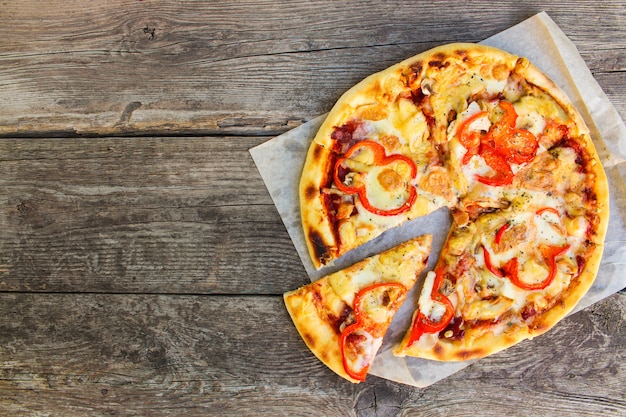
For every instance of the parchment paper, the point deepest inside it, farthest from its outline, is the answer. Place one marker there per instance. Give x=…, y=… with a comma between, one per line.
x=280, y=162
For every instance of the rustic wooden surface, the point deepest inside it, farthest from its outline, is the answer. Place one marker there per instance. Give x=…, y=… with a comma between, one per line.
x=142, y=261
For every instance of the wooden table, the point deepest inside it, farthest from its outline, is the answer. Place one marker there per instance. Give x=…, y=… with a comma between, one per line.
x=142, y=261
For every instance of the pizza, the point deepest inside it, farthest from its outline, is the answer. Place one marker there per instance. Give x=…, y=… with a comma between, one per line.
x=344, y=316
x=487, y=135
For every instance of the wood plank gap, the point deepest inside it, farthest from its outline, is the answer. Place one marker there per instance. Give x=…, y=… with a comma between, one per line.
x=142, y=294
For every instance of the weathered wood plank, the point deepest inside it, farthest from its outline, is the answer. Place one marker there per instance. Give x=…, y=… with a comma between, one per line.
x=159, y=67
x=72, y=355
x=151, y=215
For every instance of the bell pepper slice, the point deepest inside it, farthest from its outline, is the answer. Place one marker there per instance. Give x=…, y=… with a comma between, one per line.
x=550, y=253
x=489, y=264
x=547, y=210
x=378, y=158
x=501, y=231
x=383, y=293
x=365, y=329
x=509, y=116
x=349, y=341
x=424, y=324
x=497, y=180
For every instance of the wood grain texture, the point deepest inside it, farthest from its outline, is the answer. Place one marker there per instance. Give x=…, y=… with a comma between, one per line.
x=151, y=215
x=254, y=67
x=132, y=355
x=141, y=257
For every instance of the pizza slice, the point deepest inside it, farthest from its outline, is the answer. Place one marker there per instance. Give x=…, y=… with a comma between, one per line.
x=365, y=166
x=344, y=316
x=509, y=273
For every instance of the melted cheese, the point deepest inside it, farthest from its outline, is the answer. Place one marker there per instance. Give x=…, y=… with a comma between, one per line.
x=409, y=122
x=512, y=292
x=346, y=286
x=369, y=219
x=404, y=121
x=386, y=197
x=367, y=347
x=549, y=229
x=530, y=119
x=541, y=107
x=400, y=264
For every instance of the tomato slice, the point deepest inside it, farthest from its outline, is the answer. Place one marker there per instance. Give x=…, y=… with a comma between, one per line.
x=503, y=145
x=518, y=146
x=497, y=162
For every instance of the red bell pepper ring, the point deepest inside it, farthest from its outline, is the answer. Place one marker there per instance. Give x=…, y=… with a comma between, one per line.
x=424, y=324
x=380, y=158
x=351, y=337
x=550, y=253
x=353, y=334
x=382, y=287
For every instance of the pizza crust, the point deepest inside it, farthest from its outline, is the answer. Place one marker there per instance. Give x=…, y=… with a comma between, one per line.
x=309, y=308
x=319, y=235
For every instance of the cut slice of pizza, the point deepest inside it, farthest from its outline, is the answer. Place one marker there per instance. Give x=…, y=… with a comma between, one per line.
x=507, y=274
x=364, y=168
x=344, y=316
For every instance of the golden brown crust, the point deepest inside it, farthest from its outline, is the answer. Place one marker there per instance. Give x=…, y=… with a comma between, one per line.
x=317, y=224
x=469, y=347
x=315, y=310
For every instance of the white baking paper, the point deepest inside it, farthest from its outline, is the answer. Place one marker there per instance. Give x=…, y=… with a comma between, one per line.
x=280, y=162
